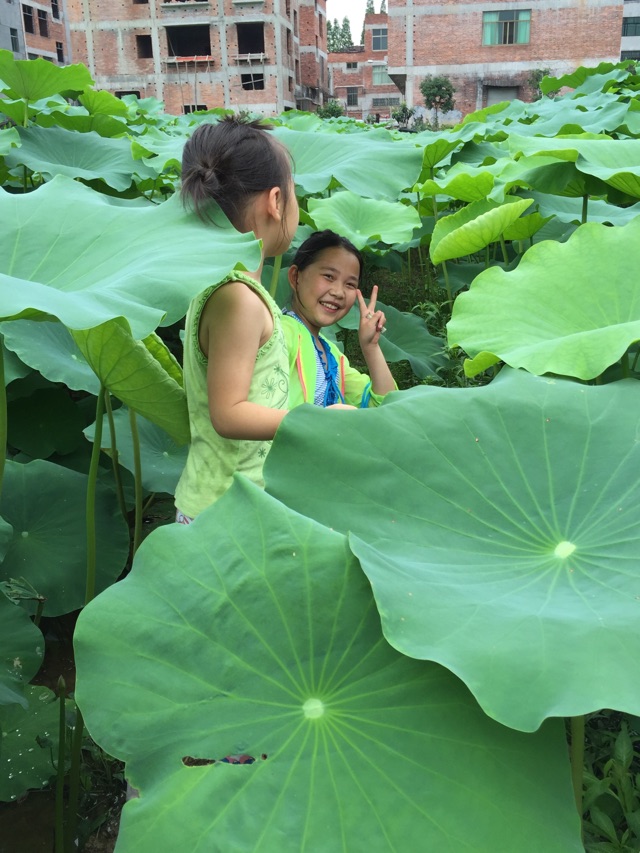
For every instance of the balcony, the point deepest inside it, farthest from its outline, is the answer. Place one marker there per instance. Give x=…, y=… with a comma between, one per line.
x=184, y=60
x=251, y=58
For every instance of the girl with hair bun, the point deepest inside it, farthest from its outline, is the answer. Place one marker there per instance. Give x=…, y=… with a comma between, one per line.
x=235, y=356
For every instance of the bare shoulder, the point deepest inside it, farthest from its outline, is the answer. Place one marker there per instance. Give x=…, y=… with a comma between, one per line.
x=233, y=307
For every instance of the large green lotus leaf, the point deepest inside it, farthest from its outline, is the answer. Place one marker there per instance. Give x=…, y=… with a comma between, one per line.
x=14, y=368
x=29, y=743
x=364, y=220
x=552, y=314
x=21, y=652
x=46, y=505
x=161, y=458
x=49, y=348
x=464, y=182
x=473, y=228
x=570, y=209
x=406, y=339
x=159, y=149
x=613, y=161
x=134, y=375
x=103, y=125
x=55, y=151
x=103, y=103
x=498, y=526
x=367, y=166
x=578, y=78
x=254, y=631
x=84, y=258
x=33, y=79
x=45, y=422
x=525, y=227
x=9, y=137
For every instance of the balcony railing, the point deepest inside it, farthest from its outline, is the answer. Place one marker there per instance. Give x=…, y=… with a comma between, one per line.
x=251, y=58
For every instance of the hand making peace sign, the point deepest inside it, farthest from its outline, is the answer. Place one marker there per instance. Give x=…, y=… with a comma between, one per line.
x=371, y=321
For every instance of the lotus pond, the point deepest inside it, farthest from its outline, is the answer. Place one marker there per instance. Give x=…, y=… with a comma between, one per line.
x=434, y=648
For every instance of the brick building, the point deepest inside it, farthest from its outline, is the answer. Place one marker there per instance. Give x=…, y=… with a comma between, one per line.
x=359, y=78
x=35, y=29
x=263, y=55
x=490, y=48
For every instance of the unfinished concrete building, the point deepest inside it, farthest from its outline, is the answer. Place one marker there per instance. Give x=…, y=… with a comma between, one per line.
x=266, y=56
x=35, y=30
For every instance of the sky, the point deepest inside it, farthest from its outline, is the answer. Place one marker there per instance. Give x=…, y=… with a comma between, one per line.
x=352, y=9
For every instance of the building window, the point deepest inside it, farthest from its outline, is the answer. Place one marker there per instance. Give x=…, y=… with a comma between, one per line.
x=126, y=92
x=252, y=81
x=352, y=66
x=352, y=96
x=291, y=84
x=380, y=76
x=289, y=50
x=55, y=10
x=631, y=26
x=297, y=70
x=508, y=27
x=193, y=108
x=140, y=2
x=192, y=40
x=15, y=41
x=27, y=17
x=287, y=8
x=60, y=52
x=144, y=47
x=43, y=23
x=250, y=38
x=295, y=23
x=385, y=102
x=630, y=54
x=379, y=38
x=320, y=25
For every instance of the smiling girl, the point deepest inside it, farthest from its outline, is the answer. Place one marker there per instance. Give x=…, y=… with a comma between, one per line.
x=324, y=278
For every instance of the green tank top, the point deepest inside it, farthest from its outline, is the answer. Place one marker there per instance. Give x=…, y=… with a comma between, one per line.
x=213, y=460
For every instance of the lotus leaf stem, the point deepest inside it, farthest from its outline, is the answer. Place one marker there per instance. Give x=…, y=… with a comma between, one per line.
x=577, y=759
x=635, y=360
x=74, y=784
x=3, y=417
x=115, y=457
x=59, y=836
x=503, y=246
x=137, y=468
x=585, y=204
x=447, y=283
x=92, y=550
x=277, y=263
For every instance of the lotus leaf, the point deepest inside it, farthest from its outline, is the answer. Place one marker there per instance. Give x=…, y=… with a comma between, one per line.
x=45, y=504
x=552, y=314
x=254, y=631
x=363, y=220
x=498, y=526
x=22, y=648
x=33, y=79
x=84, y=258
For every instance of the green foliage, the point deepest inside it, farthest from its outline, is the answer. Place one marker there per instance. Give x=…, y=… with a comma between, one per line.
x=438, y=92
x=338, y=35
x=403, y=114
x=332, y=109
x=520, y=224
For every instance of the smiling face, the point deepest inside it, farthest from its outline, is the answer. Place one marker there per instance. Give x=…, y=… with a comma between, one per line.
x=324, y=291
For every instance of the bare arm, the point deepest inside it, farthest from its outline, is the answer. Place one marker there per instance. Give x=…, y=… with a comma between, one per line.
x=235, y=323
x=371, y=327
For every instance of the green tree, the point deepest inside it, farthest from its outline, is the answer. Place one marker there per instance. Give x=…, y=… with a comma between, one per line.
x=347, y=40
x=333, y=35
x=403, y=114
x=383, y=7
x=438, y=93
x=369, y=10
x=332, y=109
x=535, y=78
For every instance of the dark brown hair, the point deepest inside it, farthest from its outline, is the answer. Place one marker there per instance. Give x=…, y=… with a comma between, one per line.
x=228, y=163
x=318, y=242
